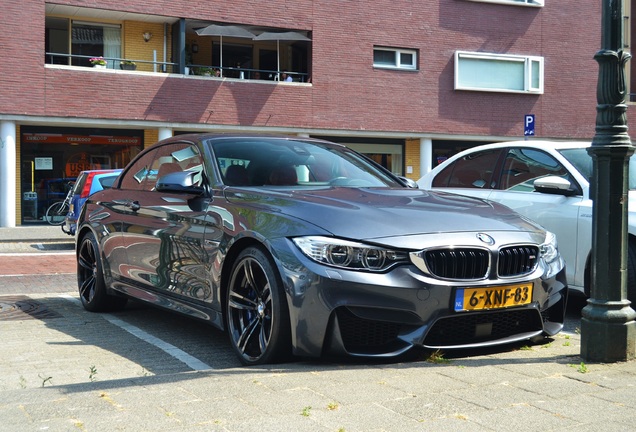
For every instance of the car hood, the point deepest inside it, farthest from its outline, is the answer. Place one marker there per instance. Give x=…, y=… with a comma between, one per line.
x=372, y=213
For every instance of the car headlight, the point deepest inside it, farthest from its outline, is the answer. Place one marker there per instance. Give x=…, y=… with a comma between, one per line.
x=349, y=255
x=550, y=255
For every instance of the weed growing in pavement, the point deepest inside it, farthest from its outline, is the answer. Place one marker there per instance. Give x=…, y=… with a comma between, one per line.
x=581, y=367
x=306, y=410
x=437, y=357
x=548, y=345
x=332, y=406
x=92, y=374
x=566, y=343
x=22, y=382
x=526, y=348
x=341, y=429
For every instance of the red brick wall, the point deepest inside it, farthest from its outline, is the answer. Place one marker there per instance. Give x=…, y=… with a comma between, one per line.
x=347, y=92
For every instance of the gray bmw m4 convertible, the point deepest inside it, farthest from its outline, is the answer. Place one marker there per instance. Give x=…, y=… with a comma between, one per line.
x=302, y=247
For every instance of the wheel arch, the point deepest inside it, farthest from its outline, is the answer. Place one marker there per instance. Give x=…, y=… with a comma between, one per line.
x=228, y=263
x=79, y=236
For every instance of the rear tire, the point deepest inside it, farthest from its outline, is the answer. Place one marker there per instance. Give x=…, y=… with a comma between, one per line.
x=90, y=278
x=257, y=314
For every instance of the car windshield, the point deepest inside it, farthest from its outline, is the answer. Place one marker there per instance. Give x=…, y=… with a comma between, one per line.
x=285, y=162
x=581, y=159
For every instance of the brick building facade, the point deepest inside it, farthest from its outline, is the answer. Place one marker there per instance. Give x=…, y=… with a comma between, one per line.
x=408, y=83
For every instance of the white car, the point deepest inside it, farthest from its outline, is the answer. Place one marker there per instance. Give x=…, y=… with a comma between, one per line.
x=547, y=181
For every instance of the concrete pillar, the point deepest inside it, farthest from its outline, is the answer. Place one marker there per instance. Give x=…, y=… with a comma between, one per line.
x=7, y=174
x=426, y=155
x=165, y=133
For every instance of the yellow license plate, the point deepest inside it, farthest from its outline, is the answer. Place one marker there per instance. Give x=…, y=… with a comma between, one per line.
x=469, y=299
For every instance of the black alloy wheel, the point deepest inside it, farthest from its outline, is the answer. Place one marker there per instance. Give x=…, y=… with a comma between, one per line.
x=90, y=278
x=257, y=312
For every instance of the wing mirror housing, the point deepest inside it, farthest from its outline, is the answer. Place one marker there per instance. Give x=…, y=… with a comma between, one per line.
x=181, y=182
x=554, y=185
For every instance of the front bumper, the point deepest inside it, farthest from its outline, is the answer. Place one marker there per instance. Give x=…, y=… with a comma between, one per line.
x=383, y=315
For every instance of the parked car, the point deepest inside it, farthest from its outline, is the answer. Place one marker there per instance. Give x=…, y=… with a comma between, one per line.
x=87, y=183
x=549, y=182
x=301, y=246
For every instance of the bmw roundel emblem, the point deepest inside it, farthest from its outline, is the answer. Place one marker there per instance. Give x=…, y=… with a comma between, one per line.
x=486, y=239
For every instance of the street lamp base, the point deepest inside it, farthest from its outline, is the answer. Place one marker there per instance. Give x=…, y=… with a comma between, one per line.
x=608, y=331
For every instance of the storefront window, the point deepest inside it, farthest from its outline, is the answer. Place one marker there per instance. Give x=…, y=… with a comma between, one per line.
x=50, y=158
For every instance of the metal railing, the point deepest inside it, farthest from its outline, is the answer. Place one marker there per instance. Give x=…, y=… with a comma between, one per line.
x=168, y=67
x=111, y=62
x=243, y=73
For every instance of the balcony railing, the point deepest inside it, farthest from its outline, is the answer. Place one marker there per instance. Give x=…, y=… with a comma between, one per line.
x=111, y=62
x=166, y=67
x=244, y=73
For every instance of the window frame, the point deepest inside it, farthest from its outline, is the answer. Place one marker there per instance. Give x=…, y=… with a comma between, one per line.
x=529, y=64
x=398, y=65
x=529, y=3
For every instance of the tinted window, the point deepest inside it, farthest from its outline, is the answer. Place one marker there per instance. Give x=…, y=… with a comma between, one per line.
x=258, y=162
x=582, y=161
x=523, y=166
x=135, y=176
x=174, y=158
x=145, y=171
x=107, y=181
x=472, y=171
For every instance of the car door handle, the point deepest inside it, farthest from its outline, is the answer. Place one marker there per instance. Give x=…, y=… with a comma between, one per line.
x=133, y=205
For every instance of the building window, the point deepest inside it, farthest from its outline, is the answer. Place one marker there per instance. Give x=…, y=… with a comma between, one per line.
x=95, y=40
x=498, y=73
x=535, y=3
x=395, y=58
x=75, y=42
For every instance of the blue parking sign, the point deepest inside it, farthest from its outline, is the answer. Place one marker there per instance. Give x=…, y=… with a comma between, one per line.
x=528, y=122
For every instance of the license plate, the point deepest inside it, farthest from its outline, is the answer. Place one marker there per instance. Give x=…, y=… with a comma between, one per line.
x=469, y=299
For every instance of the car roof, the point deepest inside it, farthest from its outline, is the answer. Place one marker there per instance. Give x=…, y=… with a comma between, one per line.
x=542, y=144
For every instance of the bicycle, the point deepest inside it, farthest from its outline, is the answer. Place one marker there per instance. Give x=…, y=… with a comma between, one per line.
x=56, y=213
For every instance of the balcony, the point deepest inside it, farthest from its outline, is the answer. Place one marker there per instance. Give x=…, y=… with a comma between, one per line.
x=173, y=45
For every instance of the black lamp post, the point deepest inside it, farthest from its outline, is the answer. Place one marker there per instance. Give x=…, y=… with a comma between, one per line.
x=608, y=326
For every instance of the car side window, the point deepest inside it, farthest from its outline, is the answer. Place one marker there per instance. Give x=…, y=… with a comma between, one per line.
x=523, y=166
x=175, y=157
x=134, y=178
x=471, y=171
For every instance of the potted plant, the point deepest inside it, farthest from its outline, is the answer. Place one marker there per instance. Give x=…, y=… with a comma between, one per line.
x=206, y=71
x=98, y=62
x=128, y=65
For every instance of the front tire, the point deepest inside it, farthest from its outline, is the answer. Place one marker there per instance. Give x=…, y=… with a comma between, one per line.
x=257, y=314
x=90, y=278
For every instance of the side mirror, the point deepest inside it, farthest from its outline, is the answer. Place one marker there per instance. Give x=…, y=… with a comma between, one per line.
x=554, y=185
x=180, y=182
